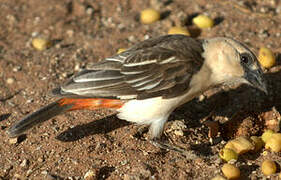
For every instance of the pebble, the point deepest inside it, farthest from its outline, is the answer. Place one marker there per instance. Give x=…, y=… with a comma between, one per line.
x=89, y=11
x=77, y=67
x=263, y=34
x=18, y=176
x=178, y=125
x=124, y=162
x=178, y=132
x=34, y=34
x=40, y=159
x=28, y=172
x=16, y=68
x=24, y=163
x=132, y=38
x=10, y=80
x=201, y=98
x=13, y=140
x=44, y=172
x=70, y=32
x=90, y=175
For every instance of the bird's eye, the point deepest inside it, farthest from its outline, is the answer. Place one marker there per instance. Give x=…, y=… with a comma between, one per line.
x=244, y=58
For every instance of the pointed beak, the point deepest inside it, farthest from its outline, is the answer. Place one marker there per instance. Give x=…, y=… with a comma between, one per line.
x=256, y=79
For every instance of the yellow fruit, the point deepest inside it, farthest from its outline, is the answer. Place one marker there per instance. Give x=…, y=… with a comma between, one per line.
x=274, y=142
x=230, y=171
x=149, y=16
x=268, y=167
x=266, y=57
x=203, y=21
x=218, y=177
x=258, y=143
x=240, y=145
x=179, y=30
x=121, y=50
x=41, y=44
x=266, y=135
x=228, y=154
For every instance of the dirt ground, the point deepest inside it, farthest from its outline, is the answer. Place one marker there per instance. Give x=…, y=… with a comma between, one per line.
x=86, y=31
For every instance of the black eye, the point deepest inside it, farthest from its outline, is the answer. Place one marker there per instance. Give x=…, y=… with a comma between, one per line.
x=245, y=58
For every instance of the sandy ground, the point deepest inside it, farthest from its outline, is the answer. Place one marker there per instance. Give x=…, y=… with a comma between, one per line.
x=85, y=31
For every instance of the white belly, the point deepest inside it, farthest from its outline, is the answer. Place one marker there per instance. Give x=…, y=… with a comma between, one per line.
x=148, y=110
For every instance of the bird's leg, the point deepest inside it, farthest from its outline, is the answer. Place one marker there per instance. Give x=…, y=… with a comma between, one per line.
x=155, y=131
x=167, y=146
x=189, y=154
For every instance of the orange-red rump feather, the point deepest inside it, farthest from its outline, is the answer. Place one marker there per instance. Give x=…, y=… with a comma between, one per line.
x=91, y=103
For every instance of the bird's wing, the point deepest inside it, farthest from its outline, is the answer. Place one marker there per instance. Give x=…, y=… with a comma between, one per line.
x=139, y=73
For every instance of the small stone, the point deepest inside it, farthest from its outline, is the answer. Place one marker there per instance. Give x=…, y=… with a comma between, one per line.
x=124, y=162
x=70, y=32
x=16, y=68
x=24, y=163
x=34, y=34
x=40, y=159
x=89, y=11
x=28, y=172
x=77, y=67
x=10, y=80
x=44, y=172
x=13, y=140
x=146, y=37
x=90, y=175
x=18, y=176
x=201, y=98
x=127, y=177
x=132, y=38
x=64, y=74
x=179, y=132
x=177, y=124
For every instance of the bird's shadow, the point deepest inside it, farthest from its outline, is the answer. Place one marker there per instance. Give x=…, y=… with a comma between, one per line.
x=223, y=103
x=101, y=126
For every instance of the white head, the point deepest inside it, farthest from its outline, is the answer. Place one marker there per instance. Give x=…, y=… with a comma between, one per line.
x=231, y=61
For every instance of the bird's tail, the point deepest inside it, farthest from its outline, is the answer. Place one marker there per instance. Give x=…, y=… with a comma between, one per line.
x=58, y=107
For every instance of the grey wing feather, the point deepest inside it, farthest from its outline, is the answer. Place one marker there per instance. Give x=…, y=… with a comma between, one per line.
x=158, y=67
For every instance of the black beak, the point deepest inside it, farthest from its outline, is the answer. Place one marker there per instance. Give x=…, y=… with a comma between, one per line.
x=255, y=78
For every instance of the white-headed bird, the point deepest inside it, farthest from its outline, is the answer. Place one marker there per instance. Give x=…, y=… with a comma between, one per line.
x=147, y=82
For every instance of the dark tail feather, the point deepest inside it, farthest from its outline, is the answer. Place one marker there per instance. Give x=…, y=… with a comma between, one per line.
x=37, y=117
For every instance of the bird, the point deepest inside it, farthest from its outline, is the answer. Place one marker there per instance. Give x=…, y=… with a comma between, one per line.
x=148, y=81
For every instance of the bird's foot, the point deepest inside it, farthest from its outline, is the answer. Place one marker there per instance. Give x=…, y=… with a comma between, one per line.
x=189, y=154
